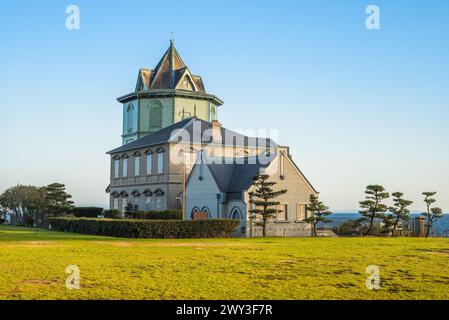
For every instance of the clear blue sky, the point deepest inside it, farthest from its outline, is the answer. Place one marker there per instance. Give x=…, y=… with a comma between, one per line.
x=356, y=106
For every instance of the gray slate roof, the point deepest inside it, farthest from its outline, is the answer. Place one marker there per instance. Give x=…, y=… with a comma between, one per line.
x=196, y=129
x=237, y=177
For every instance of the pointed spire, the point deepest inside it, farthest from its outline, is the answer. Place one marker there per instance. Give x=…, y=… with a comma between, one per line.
x=170, y=71
x=171, y=56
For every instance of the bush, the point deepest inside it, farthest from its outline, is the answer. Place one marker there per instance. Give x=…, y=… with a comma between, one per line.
x=165, y=229
x=86, y=212
x=113, y=214
x=2, y=221
x=155, y=215
x=350, y=228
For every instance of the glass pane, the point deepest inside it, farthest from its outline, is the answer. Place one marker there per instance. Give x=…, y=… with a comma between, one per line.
x=125, y=167
x=137, y=166
x=160, y=162
x=149, y=163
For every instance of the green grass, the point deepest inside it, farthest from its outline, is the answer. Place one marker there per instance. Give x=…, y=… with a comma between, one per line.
x=33, y=262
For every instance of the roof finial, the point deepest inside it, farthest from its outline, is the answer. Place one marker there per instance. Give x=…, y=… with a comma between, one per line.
x=171, y=39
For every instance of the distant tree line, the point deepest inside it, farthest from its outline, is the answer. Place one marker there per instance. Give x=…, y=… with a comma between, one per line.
x=374, y=207
x=31, y=206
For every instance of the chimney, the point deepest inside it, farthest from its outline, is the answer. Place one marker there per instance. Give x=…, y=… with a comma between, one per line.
x=419, y=227
x=216, y=130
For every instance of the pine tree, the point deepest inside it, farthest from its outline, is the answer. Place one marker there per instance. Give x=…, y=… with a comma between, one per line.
x=433, y=213
x=262, y=198
x=318, y=211
x=398, y=211
x=58, y=199
x=373, y=206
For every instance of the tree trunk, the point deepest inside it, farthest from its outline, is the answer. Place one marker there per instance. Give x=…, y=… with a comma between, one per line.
x=428, y=230
x=314, y=230
x=393, y=232
x=370, y=226
x=264, y=228
x=428, y=220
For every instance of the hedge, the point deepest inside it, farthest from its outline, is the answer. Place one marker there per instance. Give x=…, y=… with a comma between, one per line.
x=86, y=212
x=113, y=214
x=156, y=215
x=164, y=229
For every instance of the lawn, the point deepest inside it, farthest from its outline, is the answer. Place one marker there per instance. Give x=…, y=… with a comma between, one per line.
x=33, y=263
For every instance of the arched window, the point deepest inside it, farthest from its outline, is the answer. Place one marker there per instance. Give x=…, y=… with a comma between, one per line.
x=212, y=113
x=129, y=119
x=160, y=161
x=206, y=209
x=236, y=213
x=187, y=83
x=156, y=116
x=195, y=209
x=147, y=202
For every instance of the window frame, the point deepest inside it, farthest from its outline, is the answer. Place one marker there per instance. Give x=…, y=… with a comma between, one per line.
x=148, y=203
x=116, y=168
x=160, y=162
x=130, y=118
x=284, y=206
x=156, y=115
x=159, y=203
x=137, y=166
x=125, y=167
x=149, y=164
x=124, y=201
x=304, y=205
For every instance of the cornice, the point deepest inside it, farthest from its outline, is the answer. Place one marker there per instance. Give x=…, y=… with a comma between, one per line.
x=163, y=93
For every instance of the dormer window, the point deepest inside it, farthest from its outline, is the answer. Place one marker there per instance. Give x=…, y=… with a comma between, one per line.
x=187, y=83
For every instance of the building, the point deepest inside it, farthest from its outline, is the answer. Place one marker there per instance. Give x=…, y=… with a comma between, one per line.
x=147, y=173
x=170, y=126
x=223, y=190
x=164, y=96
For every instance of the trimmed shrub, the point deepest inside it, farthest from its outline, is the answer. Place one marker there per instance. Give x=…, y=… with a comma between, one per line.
x=164, y=229
x=113, y=214
x=155, y=215
x=350, y=228
x=86, y=212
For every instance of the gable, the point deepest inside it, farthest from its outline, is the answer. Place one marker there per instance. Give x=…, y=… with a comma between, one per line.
x=143, y=80
x=284, y=171
x=201, y=177
x=185, y=81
